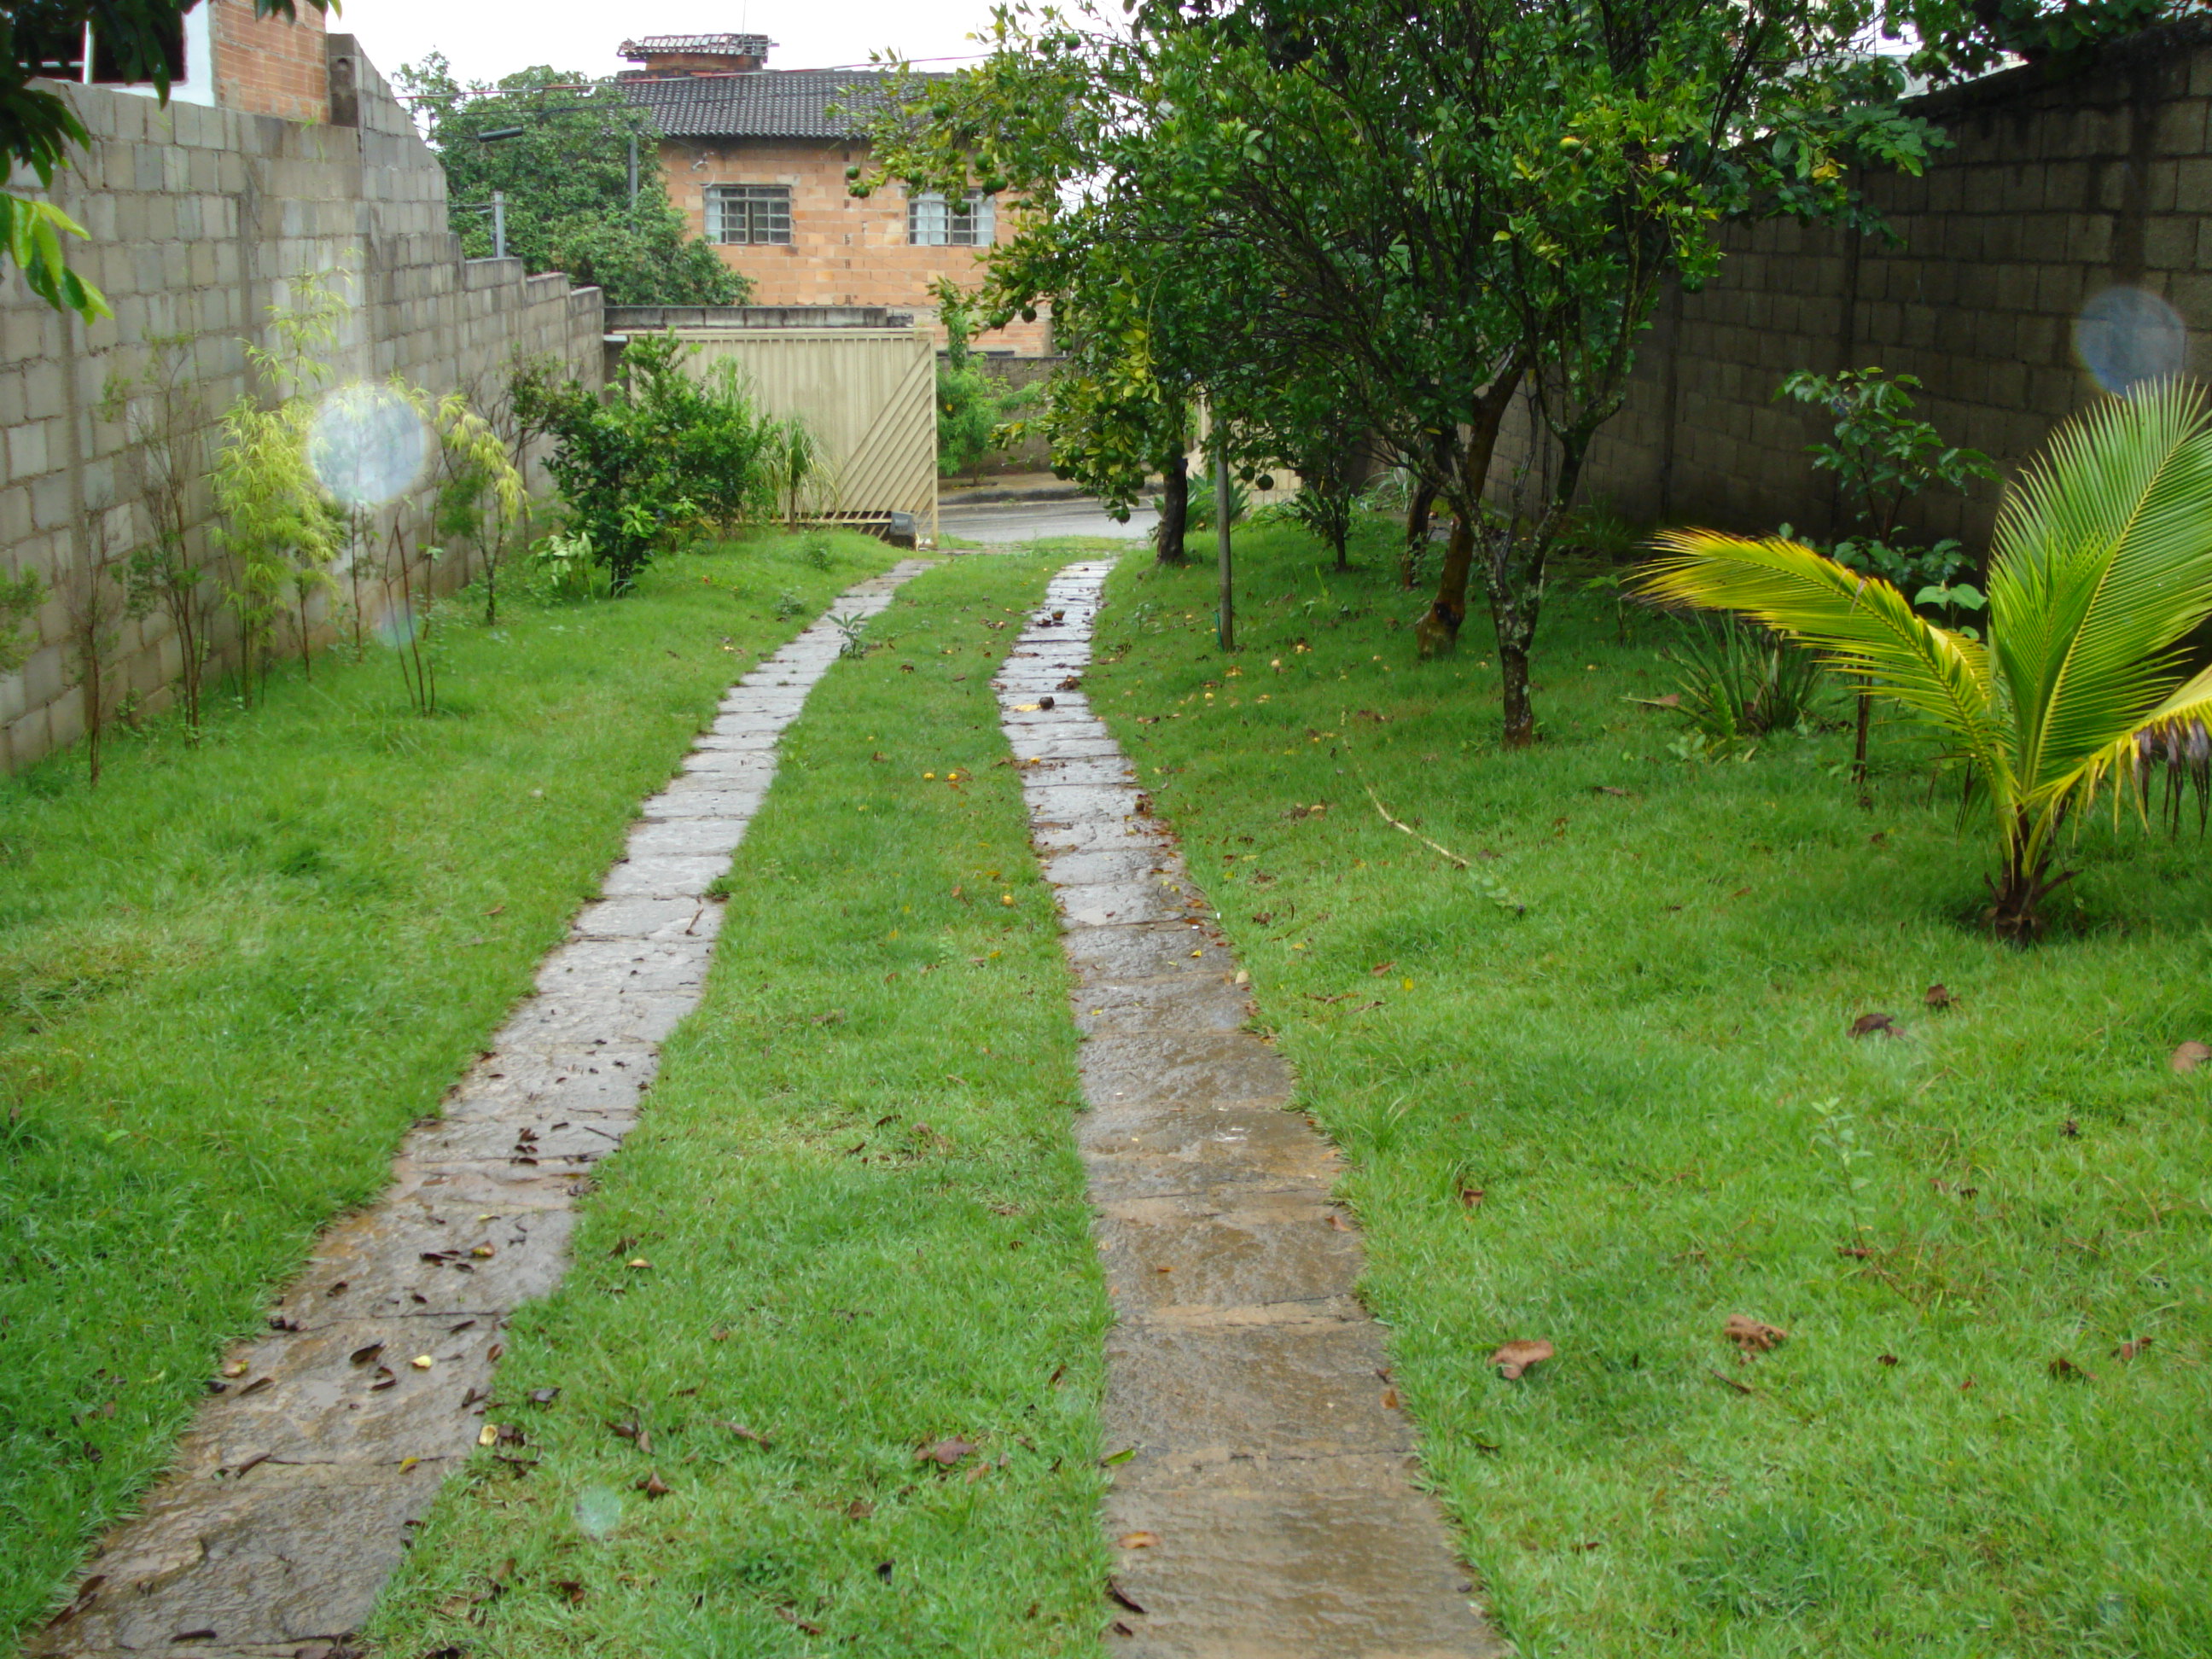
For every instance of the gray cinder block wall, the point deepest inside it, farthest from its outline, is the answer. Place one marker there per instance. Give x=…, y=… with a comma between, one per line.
x=2052, y=192
x=197, y=216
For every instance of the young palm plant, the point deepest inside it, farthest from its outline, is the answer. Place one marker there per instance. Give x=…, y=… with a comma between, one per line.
x=2100, y=568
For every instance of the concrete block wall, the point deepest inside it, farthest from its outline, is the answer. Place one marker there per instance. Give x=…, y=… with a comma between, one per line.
x=198, y=217
x=2052, y=192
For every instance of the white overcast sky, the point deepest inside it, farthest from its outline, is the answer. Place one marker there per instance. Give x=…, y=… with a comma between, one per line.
x=486, y=38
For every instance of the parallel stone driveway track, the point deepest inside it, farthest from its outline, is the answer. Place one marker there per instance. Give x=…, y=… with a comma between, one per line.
x=292, y=1496
x=1242, y=1368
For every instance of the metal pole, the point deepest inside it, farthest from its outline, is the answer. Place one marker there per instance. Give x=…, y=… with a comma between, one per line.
x=499, y=224
x=1221, y=533
x=632, y=170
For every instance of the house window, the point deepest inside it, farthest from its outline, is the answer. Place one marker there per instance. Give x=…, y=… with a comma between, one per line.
x=107, y=67
x=82, y=53
x=932, y=221
x=748, y=213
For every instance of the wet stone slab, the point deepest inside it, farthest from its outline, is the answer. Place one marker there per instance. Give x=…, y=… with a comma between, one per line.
x=1243, y=1373
x=326, y=1437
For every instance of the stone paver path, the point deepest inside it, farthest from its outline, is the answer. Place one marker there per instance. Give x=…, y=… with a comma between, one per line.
x=293, y=1494
x=1268, y=1462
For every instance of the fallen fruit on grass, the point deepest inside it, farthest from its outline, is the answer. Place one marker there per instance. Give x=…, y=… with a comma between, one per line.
x=2188, y=1056
x=1512, y=1358
x=1753, y=1336
x=2132, y=1347
x=1138, y=1540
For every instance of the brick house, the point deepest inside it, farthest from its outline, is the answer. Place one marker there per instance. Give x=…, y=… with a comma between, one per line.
x=219, y=54
x=756, y=159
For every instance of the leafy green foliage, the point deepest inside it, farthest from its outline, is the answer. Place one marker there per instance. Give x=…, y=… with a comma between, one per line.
x=663, y=455
x=565, y=181
x=21, y=595
x=2102, y=567
x=1740, y=683
x=1397, y=218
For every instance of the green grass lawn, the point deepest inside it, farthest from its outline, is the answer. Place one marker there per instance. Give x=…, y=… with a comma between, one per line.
x=231, y=978
x=1635, y=1111
x=849, y=1228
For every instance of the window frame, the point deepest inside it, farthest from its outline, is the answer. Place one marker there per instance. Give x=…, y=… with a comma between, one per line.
x=973, y=222
x=761, y=228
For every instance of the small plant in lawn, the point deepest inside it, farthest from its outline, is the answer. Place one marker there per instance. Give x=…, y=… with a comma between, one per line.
x=164, y=417
x=563, y=561
x=787, y=605
x=851, y=632
x=2102, y=568
x=1837, y=1142
x=1883, y=457
x=794, y=464
x=814, y=551
x=1740, y=683
x=95, y=599
x=480, y=491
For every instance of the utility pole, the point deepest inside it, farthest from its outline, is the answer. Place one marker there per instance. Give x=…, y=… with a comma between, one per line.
x=1227, y=620
x=499, y=224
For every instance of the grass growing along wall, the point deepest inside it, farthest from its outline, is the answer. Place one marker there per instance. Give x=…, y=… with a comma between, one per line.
x=849, y=1228
x=232, y=976
x=1635, y=1111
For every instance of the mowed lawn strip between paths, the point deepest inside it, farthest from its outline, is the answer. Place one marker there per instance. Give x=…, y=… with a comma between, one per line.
x=824, y=1377
x=1630, y=1110
x=231, y=975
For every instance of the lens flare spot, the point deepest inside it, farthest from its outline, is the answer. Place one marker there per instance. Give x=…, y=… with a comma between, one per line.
x=368, y=446
x=2125, y=336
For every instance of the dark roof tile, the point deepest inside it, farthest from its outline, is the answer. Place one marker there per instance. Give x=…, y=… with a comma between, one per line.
x=765, y=104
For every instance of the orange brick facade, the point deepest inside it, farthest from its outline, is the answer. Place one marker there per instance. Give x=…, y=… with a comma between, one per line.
x=268, y=66
x=842, y=252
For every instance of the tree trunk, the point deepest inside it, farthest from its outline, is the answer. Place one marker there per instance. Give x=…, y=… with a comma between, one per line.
x=1417, y=531
x=1517, y=569
x=1175, y=512
x=1437, y=632
x=2017, y=894
x=1518, y=710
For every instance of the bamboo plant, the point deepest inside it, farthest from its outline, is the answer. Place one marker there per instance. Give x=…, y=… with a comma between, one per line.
x=2100, y=570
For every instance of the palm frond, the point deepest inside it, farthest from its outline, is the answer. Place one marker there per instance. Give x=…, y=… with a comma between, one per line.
x=2102, y=564
x=1857, y=623
x=2178, y=736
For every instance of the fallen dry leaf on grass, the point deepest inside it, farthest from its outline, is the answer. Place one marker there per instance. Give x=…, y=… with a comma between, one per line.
x=1512, y=1358
x=1938, y=996
x=653, y=1486
x=2188, y=1056
x=2129, y=1349
x=1751, y=1336
x=2067, y=1371
x=947, y=1452
x=1868, y=1025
